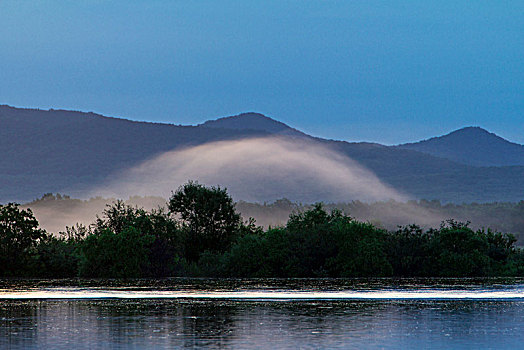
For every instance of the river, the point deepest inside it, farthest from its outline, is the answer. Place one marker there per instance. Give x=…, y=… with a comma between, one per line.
x=262, y=313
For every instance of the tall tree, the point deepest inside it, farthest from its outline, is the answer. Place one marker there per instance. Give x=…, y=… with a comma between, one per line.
x=19, y=233
x=208, y=215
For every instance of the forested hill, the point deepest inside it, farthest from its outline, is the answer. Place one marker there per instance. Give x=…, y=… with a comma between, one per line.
x=57, y=150
x=68, y=152
x=253, y=121
x=473, y=146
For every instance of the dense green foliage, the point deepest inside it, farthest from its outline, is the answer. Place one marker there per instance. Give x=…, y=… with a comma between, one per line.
x=55, y=211
x=19, y=235
x=501, y=216
x=203, y=235
x=208, y=218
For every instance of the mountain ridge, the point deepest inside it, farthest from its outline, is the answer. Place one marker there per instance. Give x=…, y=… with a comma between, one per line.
x=252, y=121
x=471, y=145
x=59, y=151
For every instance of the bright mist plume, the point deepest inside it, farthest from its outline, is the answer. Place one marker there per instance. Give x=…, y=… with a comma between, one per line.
x=259, y=169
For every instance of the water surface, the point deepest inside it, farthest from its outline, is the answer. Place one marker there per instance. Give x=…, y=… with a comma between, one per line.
x=288, y=314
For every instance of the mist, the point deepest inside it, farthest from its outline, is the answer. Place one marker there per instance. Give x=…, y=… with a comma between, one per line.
x=54, y=214
x=255, y=172
x=256, y=169
x=385, y=214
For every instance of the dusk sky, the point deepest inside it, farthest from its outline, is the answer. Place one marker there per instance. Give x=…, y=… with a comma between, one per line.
x=382, y=71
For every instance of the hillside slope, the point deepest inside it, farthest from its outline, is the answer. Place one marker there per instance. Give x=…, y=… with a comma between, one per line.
x=473, y=146
x=55, y=150
x=253, y=121
x=70, y=152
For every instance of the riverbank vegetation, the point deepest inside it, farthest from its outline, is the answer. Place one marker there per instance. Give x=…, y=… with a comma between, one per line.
x=55, y=211
x=201, y=234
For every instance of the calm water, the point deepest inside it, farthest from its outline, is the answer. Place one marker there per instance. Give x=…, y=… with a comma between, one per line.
x=290, y=314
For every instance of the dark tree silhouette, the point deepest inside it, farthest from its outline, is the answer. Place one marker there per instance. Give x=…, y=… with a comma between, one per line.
x=19, y=233
x=208, y=215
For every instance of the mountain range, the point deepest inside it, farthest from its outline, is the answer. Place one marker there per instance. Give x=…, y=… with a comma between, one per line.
x=69, y=152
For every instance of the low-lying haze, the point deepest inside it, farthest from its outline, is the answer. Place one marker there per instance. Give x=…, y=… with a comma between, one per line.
x=262, y=170
x=259, y=169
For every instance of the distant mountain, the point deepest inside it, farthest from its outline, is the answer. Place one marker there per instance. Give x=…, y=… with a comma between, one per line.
x=473, y=146
x=57, y=150
x=253, y=121
x=70, y=152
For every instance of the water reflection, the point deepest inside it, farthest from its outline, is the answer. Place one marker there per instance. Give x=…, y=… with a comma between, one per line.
x=266, y=289
x=94, y=324
x=225, y=324
x=248, y=324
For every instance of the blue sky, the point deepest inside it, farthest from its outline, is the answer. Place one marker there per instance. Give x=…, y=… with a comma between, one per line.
x=383, y=71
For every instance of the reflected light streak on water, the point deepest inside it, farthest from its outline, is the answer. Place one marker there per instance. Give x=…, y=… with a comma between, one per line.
x=262, y=314
x=95, y=293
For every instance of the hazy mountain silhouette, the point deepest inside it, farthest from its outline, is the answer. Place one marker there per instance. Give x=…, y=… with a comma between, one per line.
x=473, y=146
x=56, y=150
x=253, y=121
x=69, y=152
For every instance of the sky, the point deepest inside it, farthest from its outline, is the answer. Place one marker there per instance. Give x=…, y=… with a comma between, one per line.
x=379, y=71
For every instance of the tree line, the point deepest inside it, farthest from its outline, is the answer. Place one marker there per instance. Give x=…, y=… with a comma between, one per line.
x=202, y=234
x=500, y=216
x=54, y=211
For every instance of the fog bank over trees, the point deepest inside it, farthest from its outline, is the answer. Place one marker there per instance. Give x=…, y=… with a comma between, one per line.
x=202, y=234
x=56, y=211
